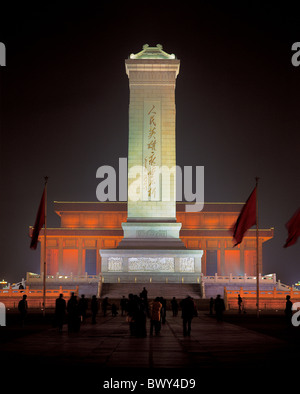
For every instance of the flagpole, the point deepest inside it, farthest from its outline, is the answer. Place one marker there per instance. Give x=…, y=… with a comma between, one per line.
x=45, y=250
x=257, y=255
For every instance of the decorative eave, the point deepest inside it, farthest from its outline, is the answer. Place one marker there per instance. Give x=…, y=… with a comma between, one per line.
x=113, y=206
x=79, y=232
x=152, y=53
x=152, y=66
x=264, y=234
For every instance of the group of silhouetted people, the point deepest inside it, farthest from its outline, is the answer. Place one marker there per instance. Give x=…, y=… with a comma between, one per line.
x=74, y=311
x=218, y=306
x=136, y=308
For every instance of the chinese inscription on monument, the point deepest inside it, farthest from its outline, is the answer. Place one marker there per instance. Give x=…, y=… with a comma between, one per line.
x=152, y=151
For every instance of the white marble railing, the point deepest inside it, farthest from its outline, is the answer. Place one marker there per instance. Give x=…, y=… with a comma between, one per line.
x=203, y=279
x=32, y=278
x=238, y=278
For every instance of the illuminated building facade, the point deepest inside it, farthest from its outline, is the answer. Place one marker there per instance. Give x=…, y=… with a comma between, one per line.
x=86, y=228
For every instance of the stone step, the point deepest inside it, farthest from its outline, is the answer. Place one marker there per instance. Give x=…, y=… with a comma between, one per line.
x=166, y=290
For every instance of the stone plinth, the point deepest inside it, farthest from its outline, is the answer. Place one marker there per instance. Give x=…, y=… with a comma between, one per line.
x=146, y=262
x=141, y=235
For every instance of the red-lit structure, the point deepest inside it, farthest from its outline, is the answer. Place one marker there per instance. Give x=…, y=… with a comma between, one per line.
x=88, y=227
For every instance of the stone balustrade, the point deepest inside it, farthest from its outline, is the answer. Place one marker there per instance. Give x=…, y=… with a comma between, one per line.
x=268, y=299
x=238, y=278
x=10, y=297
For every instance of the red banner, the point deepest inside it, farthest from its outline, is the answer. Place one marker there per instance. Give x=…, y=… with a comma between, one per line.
x=246, y=219
x=39, y=222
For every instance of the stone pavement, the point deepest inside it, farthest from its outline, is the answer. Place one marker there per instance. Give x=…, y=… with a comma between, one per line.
x=108, y=344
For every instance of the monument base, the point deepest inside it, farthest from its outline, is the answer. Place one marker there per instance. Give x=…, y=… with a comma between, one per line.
x=151, y=235
x=145, y=264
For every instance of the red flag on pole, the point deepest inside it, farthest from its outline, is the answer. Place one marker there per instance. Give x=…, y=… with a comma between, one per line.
x=246, y=219
x=39, y=222
x=293, y=227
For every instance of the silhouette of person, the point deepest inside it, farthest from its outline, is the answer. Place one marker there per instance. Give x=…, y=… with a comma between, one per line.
x=60, y=311
x=240, y=303
x=144, y=299
x=94, y=308
x=163, y=311
x=288, y=310
x=141, y=317
x=155, y=316
x=105, y=304
x=144, y=294
x=114, y=311
x=82, y=307
x=73, y=314
x=219, y=307
x=123, y=305
x=132, y=310
x=188, y=312
x=23, y=308
x=174, y=304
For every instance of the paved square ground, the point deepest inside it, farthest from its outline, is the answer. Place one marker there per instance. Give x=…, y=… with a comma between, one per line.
x=106, y=349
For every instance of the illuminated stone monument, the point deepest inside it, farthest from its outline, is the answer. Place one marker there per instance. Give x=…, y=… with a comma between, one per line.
x=151, y=242
x=141, y=240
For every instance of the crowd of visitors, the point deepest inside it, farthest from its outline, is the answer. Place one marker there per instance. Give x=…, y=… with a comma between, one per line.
x=136, y=309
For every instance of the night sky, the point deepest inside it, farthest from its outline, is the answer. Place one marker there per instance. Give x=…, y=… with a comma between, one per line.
x=65, y=96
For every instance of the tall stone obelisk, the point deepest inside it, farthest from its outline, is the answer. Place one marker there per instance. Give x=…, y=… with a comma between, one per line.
x=151, y=208
x=152, y=142
x=151, y=245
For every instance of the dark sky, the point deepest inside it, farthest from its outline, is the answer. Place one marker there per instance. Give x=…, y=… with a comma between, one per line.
x=64, y=108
